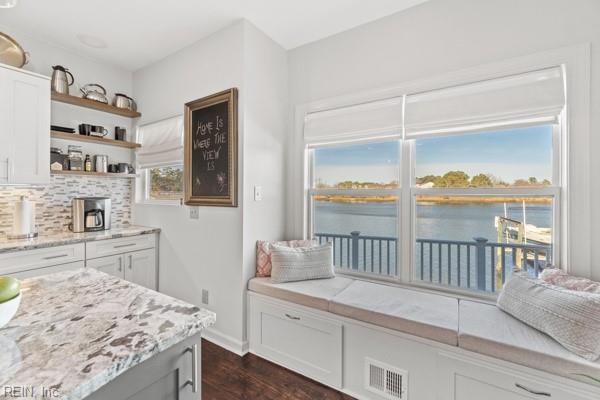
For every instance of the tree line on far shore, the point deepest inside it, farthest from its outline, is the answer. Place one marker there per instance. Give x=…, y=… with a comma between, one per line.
x=460, y=179
x=451, y=179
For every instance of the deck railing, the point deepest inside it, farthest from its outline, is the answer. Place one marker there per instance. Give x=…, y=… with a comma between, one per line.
x=477, y=264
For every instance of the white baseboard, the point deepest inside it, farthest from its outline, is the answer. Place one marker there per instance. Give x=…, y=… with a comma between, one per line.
x=225, y=341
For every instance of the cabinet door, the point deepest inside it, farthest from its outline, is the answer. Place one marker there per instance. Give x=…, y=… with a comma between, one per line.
x=464, y=378
x=112, y=265
x=4, y=124
x=168, y=375
x=28, y=127
x=141, y=268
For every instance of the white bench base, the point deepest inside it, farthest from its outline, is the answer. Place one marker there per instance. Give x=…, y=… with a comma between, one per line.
x=333, y=350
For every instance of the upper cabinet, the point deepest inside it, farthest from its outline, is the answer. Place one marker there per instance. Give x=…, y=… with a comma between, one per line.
x=24, y=127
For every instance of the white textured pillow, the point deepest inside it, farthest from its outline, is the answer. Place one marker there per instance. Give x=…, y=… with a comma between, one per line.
x=301, y=263
x=570, y=317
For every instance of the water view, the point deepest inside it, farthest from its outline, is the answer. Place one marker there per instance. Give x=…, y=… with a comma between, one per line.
x=461, y=222
x=439, y=256
x=459, y=241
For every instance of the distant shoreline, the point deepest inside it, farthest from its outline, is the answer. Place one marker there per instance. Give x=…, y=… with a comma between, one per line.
x=423, y=200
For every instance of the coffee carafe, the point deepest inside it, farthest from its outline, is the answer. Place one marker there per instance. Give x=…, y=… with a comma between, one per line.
x=60, y=79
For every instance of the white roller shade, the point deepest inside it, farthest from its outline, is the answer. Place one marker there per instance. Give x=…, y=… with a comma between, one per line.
x=382, y=118
x=162, y=143
x=529, y=97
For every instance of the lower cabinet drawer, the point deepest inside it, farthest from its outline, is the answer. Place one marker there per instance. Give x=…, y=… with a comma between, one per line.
x=463, y=379
x=48, y=270
x=298, y=340
x=21, y=261
x=103, y=248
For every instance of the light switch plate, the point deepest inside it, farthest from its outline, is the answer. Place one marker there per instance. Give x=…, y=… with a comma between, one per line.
x=257, y=193
x=194, y=213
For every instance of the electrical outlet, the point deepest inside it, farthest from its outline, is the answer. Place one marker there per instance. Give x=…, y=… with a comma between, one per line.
x=257, y=193
x=194, y=213
x=204, y=296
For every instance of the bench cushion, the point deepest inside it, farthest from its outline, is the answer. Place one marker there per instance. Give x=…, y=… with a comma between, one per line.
x=315, y=293
x=486, y=329
x=421, y=314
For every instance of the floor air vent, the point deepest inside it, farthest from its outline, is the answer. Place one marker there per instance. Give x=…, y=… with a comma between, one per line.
x=385, y=380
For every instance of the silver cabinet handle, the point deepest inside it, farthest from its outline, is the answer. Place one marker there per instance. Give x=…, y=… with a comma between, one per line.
x=53, y=257
x=120, y=264
x=292, y=317
x=535, y=392
x=130, y=261
x=194, y=381
x=120, y=246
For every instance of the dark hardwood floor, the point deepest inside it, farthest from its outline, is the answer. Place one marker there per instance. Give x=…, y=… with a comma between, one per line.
x=226, y=376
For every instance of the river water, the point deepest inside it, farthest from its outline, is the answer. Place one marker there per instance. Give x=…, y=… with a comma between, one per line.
x=460, y=222
x=433, y=221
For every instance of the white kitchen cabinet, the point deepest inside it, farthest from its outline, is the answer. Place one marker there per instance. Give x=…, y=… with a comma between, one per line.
x=141, y=268
x=112, y=265
x=48, y=270
x=103, y=248
x=40, y=259
x=24, y=127
x=136, y=266
x=465, y=378
x=304, y=342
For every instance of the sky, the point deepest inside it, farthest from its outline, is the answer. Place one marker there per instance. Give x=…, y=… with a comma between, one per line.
x=508, y=155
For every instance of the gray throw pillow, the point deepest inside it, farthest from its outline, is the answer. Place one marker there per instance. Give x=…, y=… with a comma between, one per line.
x=301, y=263
x=570, y=317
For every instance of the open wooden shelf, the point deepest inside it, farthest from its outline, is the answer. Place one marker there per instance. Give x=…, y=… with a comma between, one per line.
x=93, y=174
x=93, y=139
x=95, y=105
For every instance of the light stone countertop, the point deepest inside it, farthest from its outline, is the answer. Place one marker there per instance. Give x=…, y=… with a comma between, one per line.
x=76, y=331
x=64, y=238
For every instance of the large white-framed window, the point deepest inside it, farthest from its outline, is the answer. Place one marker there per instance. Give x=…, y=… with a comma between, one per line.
x=480, y=170
x=160, y=162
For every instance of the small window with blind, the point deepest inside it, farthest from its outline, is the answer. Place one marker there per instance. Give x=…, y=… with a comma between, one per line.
x=456, y=187
x=160, y=162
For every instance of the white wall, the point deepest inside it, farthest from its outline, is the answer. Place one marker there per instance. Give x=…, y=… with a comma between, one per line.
x=204, y=253
x=435, y=38
x=216, y=252
x=265, y=124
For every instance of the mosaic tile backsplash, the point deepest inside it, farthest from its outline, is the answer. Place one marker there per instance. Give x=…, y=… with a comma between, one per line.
x=53, y=201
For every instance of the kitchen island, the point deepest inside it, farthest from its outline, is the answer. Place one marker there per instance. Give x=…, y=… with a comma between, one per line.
x=86, y=334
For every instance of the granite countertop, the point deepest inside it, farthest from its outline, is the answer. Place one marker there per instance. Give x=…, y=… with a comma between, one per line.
x=63, y=238
x=77, y=330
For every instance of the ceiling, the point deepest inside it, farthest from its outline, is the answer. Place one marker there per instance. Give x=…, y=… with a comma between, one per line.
x=135, y=33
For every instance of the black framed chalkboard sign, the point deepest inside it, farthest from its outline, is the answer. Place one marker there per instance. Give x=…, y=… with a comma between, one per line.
x=210, y=162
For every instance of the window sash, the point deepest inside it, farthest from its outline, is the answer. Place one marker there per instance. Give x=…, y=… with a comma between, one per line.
x=145, y=188
x=552, y=192
x=361, y=192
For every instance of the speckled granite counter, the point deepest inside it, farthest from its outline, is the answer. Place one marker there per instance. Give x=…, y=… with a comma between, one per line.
x=77, y=330
x=58, y=239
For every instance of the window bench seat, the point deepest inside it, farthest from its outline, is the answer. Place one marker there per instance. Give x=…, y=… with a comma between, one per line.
x=470, y=325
